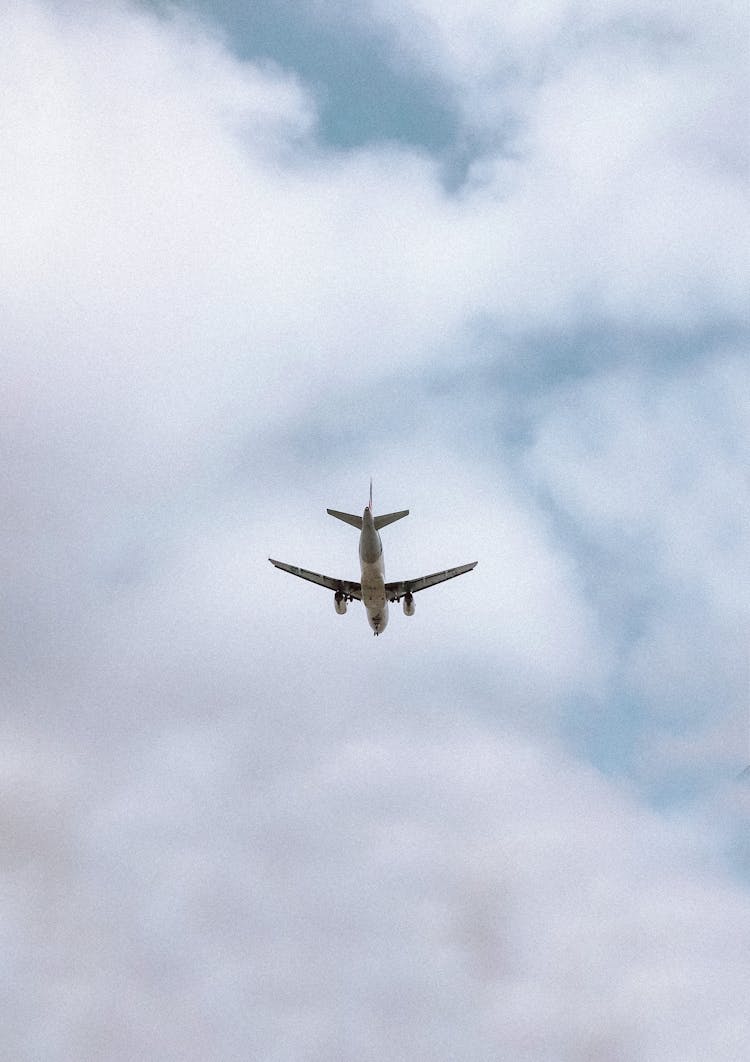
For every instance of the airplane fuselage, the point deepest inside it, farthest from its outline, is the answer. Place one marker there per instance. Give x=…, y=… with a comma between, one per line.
x=373, y=574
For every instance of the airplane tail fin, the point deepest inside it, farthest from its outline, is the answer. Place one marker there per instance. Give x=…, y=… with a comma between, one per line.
x=348, y=518
x=389, y=518
x=386, y=518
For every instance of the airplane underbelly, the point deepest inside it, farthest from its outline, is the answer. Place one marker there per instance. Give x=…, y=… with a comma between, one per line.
x=373, y=587
x=373, y=596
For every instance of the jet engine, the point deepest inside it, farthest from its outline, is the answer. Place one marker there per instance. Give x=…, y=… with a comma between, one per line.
x=339, y=602
x=409, y=604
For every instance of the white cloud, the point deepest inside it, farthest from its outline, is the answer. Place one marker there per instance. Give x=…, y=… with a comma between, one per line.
x=497, y=57
x=239, y=826
x=651, y=470
x=659, y=457
x=612, y=136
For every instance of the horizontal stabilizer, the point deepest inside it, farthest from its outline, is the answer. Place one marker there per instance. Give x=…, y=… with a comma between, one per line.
x=388, y=518
x=348, y=518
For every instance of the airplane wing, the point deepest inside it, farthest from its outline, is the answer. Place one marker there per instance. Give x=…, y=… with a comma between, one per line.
x=395, y=591
x=343, y=586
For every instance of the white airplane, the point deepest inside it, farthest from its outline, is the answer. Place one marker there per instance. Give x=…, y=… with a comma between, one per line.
x=373, y=591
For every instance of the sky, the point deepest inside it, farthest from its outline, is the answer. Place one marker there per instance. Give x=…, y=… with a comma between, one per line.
x=495, y=257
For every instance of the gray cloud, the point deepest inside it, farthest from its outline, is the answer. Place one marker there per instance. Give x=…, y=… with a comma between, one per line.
x=402, y=896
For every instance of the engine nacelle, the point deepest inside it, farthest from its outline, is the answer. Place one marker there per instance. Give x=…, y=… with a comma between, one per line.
x=409, y=604
x=339, y=602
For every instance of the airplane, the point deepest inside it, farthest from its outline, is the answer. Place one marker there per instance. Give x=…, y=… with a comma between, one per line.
x=373, y=591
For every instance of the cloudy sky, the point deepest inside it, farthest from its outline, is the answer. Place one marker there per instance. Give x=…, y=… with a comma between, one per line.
x=494, y=256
